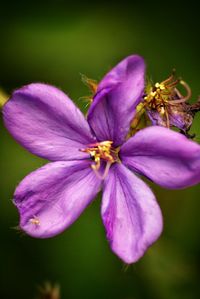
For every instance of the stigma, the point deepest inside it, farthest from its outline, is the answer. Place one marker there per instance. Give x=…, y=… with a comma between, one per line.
x=102, y=151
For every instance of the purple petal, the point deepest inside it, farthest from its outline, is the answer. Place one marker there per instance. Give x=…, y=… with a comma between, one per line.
x=130, y=213
x=47, y=123
x=53, y=197
x=117, y=96
x=166, y=157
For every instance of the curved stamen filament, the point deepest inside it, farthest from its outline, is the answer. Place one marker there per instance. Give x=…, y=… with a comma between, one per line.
x=167, y=119
x=172, y=84
x=182, y=99
x=104, y=175
x=178, y=93
x=169, y=79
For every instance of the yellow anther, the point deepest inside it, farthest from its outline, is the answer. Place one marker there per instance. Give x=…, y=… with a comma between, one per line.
x=139, y=107
x=162, y=87
x=153, y=93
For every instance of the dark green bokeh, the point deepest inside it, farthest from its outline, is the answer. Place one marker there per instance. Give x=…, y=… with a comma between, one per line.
x=53, y=42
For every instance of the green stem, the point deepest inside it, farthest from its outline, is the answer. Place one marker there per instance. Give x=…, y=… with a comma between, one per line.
x=3, y=98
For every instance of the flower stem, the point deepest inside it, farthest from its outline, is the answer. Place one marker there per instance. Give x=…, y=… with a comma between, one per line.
x=3, y=98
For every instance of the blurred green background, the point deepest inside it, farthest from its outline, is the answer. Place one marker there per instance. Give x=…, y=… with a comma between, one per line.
x=54, y=42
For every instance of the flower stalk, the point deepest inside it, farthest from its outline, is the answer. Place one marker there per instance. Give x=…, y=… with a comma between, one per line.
x=3, y=98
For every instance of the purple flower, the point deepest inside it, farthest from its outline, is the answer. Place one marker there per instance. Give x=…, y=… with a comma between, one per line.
x=91, y=154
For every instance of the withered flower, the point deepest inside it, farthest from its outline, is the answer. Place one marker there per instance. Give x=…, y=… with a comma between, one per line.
x=165, y=105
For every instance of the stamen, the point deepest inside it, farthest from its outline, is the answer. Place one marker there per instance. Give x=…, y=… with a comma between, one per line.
x=102, y=177
x=178, y=93
x=172, y=84
x=102, y=151
x=167, y=119
x=170, y=78
x=183, y=99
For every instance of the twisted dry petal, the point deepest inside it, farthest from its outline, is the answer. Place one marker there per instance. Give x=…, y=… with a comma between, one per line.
x=53, y=197
x=130, y=213
x=177, y=117
x=117, y=96
x=166, y=157
x=47, y=123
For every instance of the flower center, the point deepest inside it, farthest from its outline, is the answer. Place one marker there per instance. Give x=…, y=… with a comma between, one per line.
x=102, y=151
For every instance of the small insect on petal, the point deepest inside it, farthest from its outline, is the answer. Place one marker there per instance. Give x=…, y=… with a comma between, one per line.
x=35, y=221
